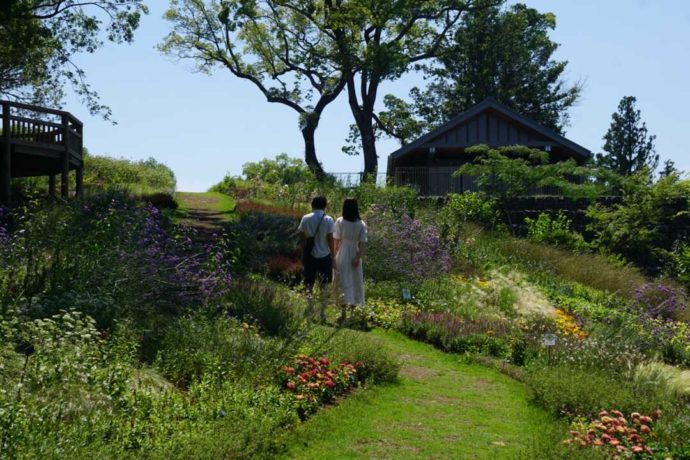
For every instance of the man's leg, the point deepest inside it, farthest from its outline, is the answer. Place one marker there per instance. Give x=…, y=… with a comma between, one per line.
x=309, y=280
x=325, y=278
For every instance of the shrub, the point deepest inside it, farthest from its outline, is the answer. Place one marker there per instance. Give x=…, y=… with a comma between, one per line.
x=663, y=300
x=453, y=334
x=459, y=209
x=110, y=256
x=648, y=224
x=378, y=362
x=570, y=391
x=255, y=237
x=315, y=381
x=161, y=200
x=269, y=306
x=215, y=348
x=401, y=248
x=615, y=434
x=557, y=231
x=140, y=177
x=385, y=314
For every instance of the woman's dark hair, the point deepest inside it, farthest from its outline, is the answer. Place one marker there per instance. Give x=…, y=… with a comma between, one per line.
x=351, y=210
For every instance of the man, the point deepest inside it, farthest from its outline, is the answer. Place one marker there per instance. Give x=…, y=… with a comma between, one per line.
x=318, y=265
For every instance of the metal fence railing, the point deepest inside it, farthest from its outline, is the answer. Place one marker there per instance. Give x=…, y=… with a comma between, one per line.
x=349, y=179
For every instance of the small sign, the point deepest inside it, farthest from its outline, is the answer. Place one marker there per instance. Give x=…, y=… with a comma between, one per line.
x=549, y=340
x=406, y=294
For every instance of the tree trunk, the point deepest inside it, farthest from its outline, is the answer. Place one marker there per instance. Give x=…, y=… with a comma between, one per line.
x=364, y=117
x=369, y=147
x=310, y=151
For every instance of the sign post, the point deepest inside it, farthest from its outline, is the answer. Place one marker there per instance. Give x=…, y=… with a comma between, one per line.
x=549, y=343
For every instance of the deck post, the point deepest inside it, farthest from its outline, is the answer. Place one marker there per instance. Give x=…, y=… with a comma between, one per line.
x=51, y=185
x=80, y=181
x=6, y=155
x=64, y=173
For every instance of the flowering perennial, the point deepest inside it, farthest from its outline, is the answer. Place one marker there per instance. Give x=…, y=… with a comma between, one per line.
x=616, y=434
x=316, y=381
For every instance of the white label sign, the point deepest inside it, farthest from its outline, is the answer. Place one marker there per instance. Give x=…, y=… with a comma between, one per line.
x=549, y=340
x=406, y=294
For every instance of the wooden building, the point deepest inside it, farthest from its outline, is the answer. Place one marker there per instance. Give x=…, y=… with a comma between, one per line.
x=37, y=141
x=428, y=163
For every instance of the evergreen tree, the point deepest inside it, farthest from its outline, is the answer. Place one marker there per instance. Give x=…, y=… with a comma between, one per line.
x=505, y=53
x=628, y=146
x=669, y=168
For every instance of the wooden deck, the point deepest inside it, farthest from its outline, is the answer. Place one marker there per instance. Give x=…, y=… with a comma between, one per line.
x=37, y=141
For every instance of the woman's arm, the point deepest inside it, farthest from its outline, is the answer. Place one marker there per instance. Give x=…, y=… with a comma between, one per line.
x=360, y=253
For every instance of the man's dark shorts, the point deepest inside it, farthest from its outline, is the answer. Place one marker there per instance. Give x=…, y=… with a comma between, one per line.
x=318, y=270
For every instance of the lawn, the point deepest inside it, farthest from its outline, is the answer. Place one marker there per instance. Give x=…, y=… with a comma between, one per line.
x=441, y=408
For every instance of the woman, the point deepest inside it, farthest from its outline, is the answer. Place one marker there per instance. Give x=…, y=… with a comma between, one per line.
x=350, y=235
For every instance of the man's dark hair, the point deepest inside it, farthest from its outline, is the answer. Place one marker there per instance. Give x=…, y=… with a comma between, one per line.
x=351, y=210
x=319, y=202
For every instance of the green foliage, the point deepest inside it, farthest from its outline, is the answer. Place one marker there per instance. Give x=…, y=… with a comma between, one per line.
x=283, y=171
x=628, y=149
x=681, y=264
x=216, y=348
x=550, y=230
x=457, y=335
x=255, y=237
x=109, y=256
x=570, y=391
x=284, y=50
x=41, y=39
x=498, y=51
x=651, y=221
x=267, y=305
x=507, y=172
x=377, y=362
x=459, y=209
x=153, y=180
x=380, y=41
x=139, y=177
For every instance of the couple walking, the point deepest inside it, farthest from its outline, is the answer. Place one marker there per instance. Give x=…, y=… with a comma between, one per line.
x=334, y=247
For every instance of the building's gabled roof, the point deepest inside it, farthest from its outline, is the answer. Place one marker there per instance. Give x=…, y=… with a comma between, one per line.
x=491, y=104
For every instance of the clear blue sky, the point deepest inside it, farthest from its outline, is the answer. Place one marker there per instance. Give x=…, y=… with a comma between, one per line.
x=204, y=126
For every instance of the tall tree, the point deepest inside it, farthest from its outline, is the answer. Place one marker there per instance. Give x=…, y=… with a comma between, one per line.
x=282, y=47
x=628, y=147
x=505, y=53
x=668, y=169
x=40, y=38
x=380, y=40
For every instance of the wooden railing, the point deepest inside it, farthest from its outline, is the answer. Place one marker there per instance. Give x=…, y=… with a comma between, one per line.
x=40, y=126
x=54, y=139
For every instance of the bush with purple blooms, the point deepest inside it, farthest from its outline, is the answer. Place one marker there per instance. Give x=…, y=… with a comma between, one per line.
x=661, y=300
x=402, y=248
x=109, y=256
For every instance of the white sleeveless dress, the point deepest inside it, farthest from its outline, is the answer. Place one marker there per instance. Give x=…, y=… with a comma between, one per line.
x=350, y=280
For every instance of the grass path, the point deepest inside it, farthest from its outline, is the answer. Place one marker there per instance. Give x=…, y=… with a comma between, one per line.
x=205, y=211
x=441, y=408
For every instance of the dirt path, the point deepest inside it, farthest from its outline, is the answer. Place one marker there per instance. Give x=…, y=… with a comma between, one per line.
x=207, y=212
x=441, y=408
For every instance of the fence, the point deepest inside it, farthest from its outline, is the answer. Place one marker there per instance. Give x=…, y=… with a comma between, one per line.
x=348, y=179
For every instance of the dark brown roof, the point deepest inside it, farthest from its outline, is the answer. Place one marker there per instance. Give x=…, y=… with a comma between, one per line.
x=490, y=104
